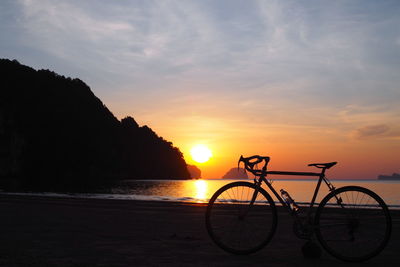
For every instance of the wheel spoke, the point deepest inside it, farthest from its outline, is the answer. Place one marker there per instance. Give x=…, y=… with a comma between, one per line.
x=237, y=226
x=355, y=229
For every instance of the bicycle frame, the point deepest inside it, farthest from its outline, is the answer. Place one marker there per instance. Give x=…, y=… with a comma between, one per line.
x=321, y=175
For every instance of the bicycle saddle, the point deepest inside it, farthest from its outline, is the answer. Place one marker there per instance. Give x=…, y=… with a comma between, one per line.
x=323, y=165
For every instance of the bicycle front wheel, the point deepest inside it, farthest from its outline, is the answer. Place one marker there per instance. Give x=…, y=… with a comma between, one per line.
x=239, y=219
x=353, y=223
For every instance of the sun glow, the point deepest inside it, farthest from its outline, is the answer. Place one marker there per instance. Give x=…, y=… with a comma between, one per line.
x=200, y=153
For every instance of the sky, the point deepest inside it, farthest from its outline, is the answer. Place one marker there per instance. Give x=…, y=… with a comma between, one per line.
x=299, y=81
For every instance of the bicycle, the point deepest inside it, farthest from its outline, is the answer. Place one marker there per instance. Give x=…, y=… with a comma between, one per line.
x=351, y=223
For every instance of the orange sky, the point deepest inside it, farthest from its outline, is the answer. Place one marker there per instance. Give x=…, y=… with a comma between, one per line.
x=291, y=147
x=300, y=81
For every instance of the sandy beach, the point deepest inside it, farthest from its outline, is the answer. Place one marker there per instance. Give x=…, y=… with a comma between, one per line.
x=42, y=231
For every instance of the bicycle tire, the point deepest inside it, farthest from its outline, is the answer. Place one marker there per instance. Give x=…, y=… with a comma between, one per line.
x=228, y=213
x=353, y=224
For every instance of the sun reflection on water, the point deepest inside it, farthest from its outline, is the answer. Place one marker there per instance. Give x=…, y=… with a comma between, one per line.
x=201, y=190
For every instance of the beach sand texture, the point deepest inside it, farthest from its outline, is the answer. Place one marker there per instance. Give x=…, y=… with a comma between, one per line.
x=43, y=231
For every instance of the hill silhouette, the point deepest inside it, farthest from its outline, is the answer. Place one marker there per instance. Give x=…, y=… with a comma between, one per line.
x=56, y=135
x=194, y=171
x=235, y=173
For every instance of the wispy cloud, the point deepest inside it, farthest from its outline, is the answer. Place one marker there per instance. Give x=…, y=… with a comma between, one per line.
x=285, y=58
x=371, y=131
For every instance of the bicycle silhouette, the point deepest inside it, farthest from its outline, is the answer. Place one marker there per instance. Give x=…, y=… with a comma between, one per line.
x=352, y=223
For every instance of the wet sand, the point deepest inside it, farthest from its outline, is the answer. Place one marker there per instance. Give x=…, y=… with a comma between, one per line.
x=42, y=231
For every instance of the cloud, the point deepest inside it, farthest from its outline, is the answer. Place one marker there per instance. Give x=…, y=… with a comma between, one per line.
x=371, y=131
x=297, y=62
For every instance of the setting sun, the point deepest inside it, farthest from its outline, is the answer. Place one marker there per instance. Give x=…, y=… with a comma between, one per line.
x=200, y=153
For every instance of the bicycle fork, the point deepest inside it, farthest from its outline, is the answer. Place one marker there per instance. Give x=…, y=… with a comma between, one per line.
x=252, y=201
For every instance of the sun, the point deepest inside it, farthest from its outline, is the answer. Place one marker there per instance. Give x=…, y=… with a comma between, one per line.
x=200, y=153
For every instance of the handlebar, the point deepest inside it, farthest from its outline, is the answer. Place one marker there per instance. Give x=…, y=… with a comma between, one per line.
x=251, y=162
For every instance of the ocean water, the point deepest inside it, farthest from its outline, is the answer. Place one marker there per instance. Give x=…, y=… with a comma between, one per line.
x=200, y=191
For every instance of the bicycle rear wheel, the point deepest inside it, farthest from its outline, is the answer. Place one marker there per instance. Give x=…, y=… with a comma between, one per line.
x=353, y=223
x=236, y=225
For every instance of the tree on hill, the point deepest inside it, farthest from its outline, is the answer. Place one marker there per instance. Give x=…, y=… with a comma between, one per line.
x=55, y=134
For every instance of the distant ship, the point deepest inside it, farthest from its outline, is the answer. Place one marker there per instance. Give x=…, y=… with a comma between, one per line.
x=394, y=176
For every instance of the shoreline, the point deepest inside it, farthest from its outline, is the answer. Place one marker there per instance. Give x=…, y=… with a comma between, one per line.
x=132, y=197
x=45, y=231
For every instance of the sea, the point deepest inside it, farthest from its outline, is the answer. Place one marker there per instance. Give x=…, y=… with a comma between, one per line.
x=200, y=191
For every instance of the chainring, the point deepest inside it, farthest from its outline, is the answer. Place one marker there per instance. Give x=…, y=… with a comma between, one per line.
x=302, y=230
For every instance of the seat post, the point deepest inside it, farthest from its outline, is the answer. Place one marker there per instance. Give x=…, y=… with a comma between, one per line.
x=321, y=176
